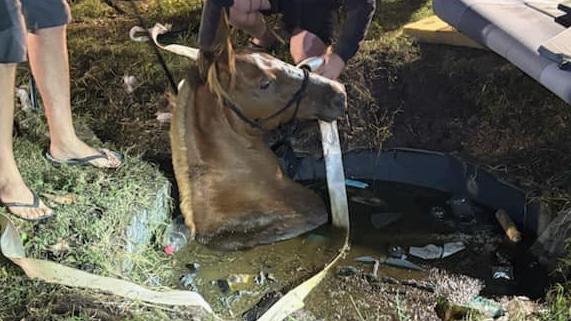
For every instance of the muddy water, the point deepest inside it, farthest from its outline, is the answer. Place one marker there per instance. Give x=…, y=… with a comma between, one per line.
x=403, y=216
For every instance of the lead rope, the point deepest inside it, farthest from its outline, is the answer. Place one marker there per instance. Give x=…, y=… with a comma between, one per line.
x=160, y=58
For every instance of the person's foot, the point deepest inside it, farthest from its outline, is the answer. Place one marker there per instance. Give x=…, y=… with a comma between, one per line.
x=20, y=201
x=78, y=150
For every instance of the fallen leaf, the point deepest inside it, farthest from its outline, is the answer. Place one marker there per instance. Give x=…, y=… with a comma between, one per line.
x=61, y=246
x=63, y=199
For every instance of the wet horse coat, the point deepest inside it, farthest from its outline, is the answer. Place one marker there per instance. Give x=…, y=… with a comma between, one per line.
x=233, y=192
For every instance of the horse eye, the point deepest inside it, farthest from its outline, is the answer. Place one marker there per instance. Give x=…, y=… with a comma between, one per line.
x=265, y=84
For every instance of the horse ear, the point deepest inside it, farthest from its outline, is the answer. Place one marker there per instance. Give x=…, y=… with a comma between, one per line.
x=214, y=37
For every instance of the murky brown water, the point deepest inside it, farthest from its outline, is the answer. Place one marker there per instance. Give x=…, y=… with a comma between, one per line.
x=286, y=264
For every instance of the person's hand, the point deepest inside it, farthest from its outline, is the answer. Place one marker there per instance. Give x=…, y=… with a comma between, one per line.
x=332, y=66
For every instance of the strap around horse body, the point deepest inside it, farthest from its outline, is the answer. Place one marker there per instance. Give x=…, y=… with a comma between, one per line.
x=294, y=100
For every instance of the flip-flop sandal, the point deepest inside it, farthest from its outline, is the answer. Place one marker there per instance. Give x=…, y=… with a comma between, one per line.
x=35, y=204
x=84, y=161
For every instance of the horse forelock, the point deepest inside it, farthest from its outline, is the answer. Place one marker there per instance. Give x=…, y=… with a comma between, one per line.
x=227, y=57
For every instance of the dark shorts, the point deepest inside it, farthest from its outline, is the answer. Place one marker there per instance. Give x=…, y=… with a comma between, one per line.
x=315, y=16
x=18, y=17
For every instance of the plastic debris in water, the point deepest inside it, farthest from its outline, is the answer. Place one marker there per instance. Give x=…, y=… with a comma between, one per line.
x=235, y=282
x=187, y=281
x=223, y=285
x=356, y=184
x=380, y=220
x=462, y=208
x=169, y=249
x=346, y=271
x=502, y=273
x=397, y=252
x=366, y=259
x=438, y=212
x=434, y=252
x=176, y=236
x=401, y=263
x=263, y=278
x=367, y=198
x=193, y=267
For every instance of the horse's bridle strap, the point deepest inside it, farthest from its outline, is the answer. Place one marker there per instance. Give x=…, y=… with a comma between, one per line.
x=258, y=123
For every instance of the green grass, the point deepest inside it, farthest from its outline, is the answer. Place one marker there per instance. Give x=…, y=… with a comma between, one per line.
x=559, y=304
x=88, y=234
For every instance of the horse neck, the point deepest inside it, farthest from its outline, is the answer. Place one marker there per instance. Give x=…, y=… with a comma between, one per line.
x=225, y=143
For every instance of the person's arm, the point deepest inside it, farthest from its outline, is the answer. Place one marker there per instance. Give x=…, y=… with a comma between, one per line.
x=359, y=14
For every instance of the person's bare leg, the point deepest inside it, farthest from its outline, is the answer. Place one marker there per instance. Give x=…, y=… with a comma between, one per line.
x=304, y=44
x=245, y=15
x=12, y=186
x=47, y=50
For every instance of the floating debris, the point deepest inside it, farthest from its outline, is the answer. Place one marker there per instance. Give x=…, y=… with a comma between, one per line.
x=235, y=282
x=169, y=249
x=397, y=252
x=434, y=252
x=176, y=236
x=263, y=278
x=502, y=273
x=366, y=197
x=401, y=263
x=508, y=225
x=193, y=267
x=376, y=269
x=438, y=212
x=366, y=259
x=462, y=208
x=380, y=220
x=223, y=285
x=346, y=271
x=187, y=281
x=356, y=184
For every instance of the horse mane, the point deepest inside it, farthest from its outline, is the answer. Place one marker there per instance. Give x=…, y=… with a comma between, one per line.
x=224, y=54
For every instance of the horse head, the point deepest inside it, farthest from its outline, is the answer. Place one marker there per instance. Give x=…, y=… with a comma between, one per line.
x=233, y=192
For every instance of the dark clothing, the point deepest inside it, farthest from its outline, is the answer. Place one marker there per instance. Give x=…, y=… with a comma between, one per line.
x=319, y=16
x=18, y=17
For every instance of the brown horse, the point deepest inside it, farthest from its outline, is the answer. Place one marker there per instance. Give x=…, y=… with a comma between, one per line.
x=233, y=192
